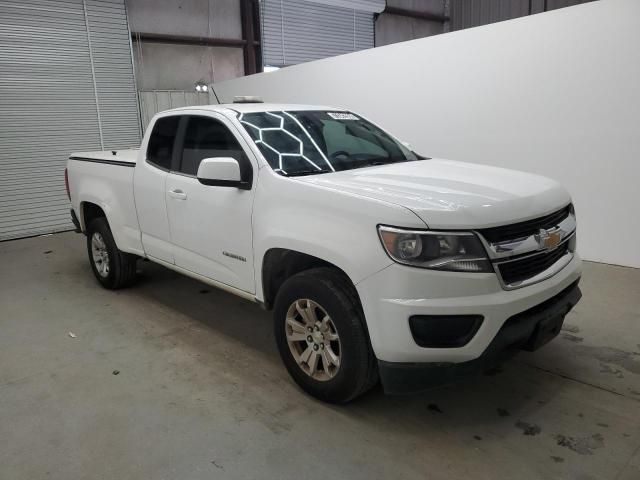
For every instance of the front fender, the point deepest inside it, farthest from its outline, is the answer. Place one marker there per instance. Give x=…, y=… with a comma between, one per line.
x=337, y=227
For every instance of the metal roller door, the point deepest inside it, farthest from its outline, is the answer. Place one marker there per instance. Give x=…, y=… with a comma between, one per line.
x=297, y=31
x=66, y=84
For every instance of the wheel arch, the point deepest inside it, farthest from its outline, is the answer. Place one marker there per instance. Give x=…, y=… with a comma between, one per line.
x=89, y=211
x=279, y=264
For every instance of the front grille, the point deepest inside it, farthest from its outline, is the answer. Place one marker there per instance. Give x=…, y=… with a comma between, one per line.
x=519, y=270
x=524, y=229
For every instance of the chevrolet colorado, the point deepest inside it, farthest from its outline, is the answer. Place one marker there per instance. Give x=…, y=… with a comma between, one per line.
x=379, y=264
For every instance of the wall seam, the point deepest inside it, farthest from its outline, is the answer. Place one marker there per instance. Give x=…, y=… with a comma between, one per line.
x=93, y=73
x=284, y=57
x=133, y=70
x=354, y=29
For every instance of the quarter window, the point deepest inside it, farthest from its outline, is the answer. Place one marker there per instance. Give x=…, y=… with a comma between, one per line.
x=161, y=141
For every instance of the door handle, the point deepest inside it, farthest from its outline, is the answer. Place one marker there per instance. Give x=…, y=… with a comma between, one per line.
x=177, y=194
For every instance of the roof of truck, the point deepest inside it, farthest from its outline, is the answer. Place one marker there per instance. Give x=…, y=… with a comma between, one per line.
x=258, y=107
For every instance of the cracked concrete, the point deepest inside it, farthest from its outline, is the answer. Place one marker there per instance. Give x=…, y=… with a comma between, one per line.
x=201, y=392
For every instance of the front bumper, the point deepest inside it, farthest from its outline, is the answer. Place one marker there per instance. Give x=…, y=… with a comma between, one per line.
x=391, y=296
x=528, y=330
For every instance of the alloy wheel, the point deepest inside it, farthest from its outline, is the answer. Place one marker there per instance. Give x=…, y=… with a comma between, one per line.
x=313, y=339
x=100, y=254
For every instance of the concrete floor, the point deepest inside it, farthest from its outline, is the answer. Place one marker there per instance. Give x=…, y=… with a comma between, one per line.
x=201, y=392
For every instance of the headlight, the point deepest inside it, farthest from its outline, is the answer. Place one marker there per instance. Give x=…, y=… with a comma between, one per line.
x=452, y=251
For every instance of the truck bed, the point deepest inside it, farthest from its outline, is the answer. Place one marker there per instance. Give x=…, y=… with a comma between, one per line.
x=105, y=180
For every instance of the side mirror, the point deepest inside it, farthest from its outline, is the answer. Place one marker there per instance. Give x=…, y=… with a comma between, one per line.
x=221, y=172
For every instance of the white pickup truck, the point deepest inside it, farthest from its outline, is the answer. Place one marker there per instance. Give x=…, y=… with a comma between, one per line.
x=379, y=264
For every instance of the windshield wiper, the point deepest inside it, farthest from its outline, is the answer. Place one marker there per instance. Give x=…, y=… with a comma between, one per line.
x=301, y=173
x=387, y=161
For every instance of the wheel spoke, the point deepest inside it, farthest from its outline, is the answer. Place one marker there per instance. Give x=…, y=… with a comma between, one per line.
x=313, y=362
x=298, y=331
x=330, y=336
x=303, y=313
x=99, y=243
x=307, y=313
x=297, y=337
x=296, y=326
x=330, y=363
x=326, y=363
x=304, y=356
x=330, y=356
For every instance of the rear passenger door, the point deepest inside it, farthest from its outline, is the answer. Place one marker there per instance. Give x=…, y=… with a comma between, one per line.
x=149, y=188
x=211, y=225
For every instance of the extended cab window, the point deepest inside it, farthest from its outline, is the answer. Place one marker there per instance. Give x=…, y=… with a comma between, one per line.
x=163, y=136
x=209, y=138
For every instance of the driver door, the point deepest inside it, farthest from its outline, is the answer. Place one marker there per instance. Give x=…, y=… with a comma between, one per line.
x=210, y=226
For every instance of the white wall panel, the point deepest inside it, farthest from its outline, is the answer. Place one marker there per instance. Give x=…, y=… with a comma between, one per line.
x=555, y=94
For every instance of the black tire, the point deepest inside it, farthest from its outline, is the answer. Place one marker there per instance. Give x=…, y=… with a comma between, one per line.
x=334, y=293
x=121, y=266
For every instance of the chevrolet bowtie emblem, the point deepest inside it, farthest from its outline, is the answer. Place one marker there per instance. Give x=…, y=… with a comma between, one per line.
x=548, y=240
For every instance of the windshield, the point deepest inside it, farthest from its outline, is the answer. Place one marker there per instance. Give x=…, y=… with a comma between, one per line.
x=314, y=141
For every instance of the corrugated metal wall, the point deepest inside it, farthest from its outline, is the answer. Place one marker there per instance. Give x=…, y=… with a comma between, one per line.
x=473, y=13
x=113, y=68
x=61, y=63
x=297, y=31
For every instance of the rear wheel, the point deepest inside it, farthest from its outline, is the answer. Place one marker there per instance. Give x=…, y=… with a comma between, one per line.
x=319, y=328
x=113, y=268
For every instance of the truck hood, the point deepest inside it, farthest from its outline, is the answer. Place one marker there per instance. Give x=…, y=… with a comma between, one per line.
x=455, y=195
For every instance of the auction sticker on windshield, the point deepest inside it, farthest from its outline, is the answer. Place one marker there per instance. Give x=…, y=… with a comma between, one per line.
x=342, y=116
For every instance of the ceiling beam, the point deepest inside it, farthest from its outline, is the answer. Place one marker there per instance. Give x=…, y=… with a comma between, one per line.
x=403, y=12
x=189, y=40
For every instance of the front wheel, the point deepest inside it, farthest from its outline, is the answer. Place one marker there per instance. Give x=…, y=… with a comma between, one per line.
x=113, y=268
x=319, y=328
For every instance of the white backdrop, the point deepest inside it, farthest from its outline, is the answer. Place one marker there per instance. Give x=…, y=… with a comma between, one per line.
x=556, y=93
